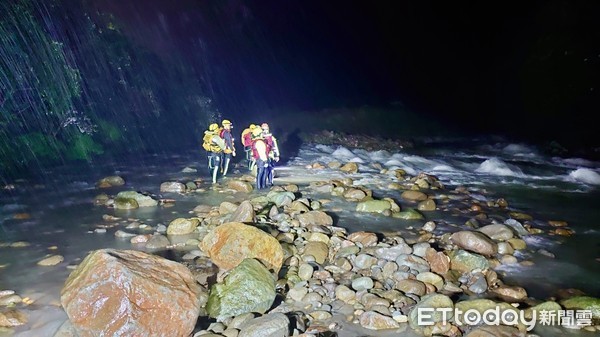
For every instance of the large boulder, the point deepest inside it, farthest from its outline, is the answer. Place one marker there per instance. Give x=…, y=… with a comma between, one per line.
x=131, y=293
x=231, y=243
x=249, y=287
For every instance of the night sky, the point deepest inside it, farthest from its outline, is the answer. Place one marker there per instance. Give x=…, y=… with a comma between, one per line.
x=528, y=69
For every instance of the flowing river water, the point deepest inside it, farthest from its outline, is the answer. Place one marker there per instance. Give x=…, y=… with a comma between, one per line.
x=56, y=214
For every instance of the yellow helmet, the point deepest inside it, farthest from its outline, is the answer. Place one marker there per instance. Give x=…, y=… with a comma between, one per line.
x=256, y=132
x=213, y=127
x=225, y=122
x=252, y=126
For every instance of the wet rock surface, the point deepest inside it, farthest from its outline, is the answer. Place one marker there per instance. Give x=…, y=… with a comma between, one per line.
x=129, y=292
x=281, y=262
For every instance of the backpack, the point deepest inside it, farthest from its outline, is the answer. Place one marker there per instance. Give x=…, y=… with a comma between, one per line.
x=247, y=137
x=208, y=144
x=207, y=141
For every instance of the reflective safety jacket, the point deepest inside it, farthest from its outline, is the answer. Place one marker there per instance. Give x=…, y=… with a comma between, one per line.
x=272, y=143
x=260, y=149
x=247, y=137
x=212, y=142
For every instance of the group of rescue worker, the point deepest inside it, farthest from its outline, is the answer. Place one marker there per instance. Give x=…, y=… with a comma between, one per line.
x=260, y=147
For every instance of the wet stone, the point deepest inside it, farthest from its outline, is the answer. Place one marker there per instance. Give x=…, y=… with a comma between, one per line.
x=429, y=226
x=12, y=318
x=51, y=260
x=347, y=251
x=364, y=261
x=375, y=321
x=305, y=271
x=411, y=287
x=415, y=263
x=362, y=283
x=367, y=239
x=427, y=205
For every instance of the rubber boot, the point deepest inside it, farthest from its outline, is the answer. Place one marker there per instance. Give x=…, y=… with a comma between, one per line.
x=249, y=159
x=270, y=172
x=258, y=175
x=214, y=174
x=226, y=166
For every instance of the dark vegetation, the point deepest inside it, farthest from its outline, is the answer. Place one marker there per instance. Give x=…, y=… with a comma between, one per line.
x=74, y=87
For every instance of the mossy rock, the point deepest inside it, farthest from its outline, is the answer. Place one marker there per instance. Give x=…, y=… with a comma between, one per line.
x=142, y=200
x=126, y=203
x=409, y=214
x=373, y=206
x=250, y=287
x=584, y=303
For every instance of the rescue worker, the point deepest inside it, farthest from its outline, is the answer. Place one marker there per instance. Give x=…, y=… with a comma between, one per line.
x=229, y=145
x=260, y=152
x=247, y=143
x=273, y=153
x=214, y=146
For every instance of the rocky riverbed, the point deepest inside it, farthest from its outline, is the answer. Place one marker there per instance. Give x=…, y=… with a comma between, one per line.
x=284, y=262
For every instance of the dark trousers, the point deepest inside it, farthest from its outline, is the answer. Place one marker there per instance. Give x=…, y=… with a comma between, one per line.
x=214, y=160
x=270, y=169
x=249, y=158
x=261, y=174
